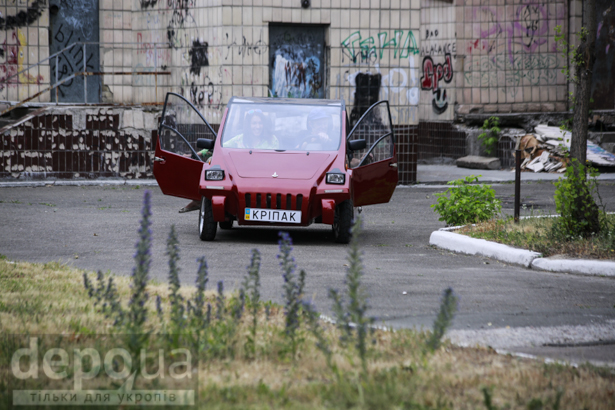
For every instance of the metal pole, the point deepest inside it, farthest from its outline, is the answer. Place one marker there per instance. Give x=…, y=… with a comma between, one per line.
x=517, y=183
x=85, y=78
x=56, y=80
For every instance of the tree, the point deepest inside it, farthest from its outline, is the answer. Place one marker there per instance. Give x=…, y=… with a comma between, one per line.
x=583, y=58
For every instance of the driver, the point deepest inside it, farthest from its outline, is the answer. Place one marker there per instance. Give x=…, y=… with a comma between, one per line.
x=257, y=134
x=319, y=126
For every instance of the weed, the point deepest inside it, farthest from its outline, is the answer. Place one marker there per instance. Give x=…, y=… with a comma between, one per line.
x=448, y=307
x=251, y=284
x=491, y=135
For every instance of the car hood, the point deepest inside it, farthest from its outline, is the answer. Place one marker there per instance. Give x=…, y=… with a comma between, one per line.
x=285, y=165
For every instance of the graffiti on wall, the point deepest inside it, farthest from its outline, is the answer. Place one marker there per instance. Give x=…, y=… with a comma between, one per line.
x=23, y=18
x=181, y=16
x=367, y=89
x=198, y=56
x=371, y=50
x=245, y=47
x=296, y=74
x=15, y=62
x=203, y=92
x=148, y=3
x=433, y=76
x=434, y=45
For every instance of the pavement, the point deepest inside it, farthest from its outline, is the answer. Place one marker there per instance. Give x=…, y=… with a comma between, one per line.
x=504, y=305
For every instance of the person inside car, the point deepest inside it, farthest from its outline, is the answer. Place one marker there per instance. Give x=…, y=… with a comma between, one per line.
x=319, y=130
x=256, y=135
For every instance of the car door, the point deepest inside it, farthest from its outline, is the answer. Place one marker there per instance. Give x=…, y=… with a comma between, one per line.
x=177, y=167
x=374, y=169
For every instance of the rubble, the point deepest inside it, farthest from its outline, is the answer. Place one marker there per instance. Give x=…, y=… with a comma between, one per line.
x=546, y=151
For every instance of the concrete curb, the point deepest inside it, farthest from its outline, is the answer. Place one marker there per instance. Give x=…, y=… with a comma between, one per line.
x=79, y=182
x=464, y=244
x=575, y=266
x=471, y=246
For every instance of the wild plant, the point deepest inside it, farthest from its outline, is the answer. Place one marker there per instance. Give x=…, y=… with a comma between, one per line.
x=293, y=290
x=322, y=343
x=199, y=318
x=448, y=307
x=220, y=308
x=353, y=318
x=251, y=284
x=176, y=300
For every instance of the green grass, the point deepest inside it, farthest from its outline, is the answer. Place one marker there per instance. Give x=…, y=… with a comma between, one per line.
x=537, y=234
x=50, y=299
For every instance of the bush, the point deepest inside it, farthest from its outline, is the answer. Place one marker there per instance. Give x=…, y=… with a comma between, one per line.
x=490, y=138
x=574, y=201
x=465, y=203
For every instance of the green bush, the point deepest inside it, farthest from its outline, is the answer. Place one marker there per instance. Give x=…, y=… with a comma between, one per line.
x=574, y=201
x=466, y=203
x=489, y=139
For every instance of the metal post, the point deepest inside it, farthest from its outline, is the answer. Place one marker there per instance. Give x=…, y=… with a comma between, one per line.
x=156, y=71
x=85, y=77
x=517, y=183
x=56, y=80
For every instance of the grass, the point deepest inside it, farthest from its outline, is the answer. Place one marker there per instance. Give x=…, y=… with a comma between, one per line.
x=50, y=299
x=537, y=234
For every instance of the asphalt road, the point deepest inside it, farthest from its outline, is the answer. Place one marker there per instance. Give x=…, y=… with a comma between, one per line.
x=95, y=228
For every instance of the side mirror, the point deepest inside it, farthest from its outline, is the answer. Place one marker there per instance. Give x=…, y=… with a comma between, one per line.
x=204, y=143
x=356, y=145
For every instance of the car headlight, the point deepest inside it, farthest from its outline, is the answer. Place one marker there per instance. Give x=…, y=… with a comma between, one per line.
x=336, y=178
x=214, y=175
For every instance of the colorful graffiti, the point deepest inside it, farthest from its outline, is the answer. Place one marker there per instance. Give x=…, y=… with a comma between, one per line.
x=366, y=50
x=433, y=74
x=15, y=62
x=295, y=74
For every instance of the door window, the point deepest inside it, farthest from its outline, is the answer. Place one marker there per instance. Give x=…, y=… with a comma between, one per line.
x=181, y=126
x=375, y=128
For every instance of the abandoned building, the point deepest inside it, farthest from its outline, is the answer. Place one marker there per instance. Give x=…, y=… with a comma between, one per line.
x=444, y=66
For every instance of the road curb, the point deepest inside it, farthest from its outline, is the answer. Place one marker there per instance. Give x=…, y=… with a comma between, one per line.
x=575, y=266
x=471, y=246
x=464, y=244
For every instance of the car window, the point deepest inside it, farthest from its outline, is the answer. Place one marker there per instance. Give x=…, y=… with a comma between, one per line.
x=375, y=128
x=283, y=127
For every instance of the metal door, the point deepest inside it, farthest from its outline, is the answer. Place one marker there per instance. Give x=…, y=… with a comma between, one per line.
x=297, y=61
x=73, y=21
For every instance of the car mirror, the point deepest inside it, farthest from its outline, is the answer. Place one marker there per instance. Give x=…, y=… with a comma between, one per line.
x=356, y=145
x=203, y=143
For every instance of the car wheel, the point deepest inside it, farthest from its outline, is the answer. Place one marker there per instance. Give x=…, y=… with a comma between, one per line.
x=342, y=222
x=207, y=225
x=226, y=225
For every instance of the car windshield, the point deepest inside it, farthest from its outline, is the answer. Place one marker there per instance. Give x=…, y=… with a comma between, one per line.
x=283, y=127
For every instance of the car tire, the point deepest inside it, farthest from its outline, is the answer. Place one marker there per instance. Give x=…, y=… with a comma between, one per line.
x=207, y=225
x=226, y=225
x=342, y=222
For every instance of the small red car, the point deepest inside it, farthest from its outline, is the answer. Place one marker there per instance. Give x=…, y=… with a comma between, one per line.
x=276, y=161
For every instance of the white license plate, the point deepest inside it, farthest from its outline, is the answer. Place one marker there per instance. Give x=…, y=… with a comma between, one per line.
x=272, y=215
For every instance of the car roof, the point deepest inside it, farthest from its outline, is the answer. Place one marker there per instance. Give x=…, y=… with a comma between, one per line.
x=297, y=101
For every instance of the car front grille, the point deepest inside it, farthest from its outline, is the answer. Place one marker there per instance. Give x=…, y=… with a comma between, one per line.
x=274, y=201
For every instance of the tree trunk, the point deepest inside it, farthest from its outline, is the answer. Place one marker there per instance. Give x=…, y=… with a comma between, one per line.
x=586, y=212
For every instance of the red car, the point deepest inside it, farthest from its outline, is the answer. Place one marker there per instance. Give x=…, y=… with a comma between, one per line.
x=276, y=161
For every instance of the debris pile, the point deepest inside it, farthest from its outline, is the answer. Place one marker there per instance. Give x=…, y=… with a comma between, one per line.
x=546, y=151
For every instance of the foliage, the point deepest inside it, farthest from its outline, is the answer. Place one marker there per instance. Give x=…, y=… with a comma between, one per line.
x=491, y=135
x=448, y=307
x=575, y=203
x=467, y=203
x=569, y=52
x=293, y=290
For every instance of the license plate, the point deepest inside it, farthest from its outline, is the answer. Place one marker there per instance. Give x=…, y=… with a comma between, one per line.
x=272, y=215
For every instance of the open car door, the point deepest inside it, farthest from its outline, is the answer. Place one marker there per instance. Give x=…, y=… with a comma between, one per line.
x=177, y=167
x=374, y=175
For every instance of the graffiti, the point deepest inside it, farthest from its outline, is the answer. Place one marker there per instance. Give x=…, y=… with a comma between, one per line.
x=15, y=62
x=23, y=18
x=529, y=29
x=78, y=14
x=147, y=3
x=206, y=94
x=432, y=75
x=154, y=54
x=180, y=16
x=259, y=47
x=295, y=75
x=198, y=54
x=70, y=60
x=361, y=50
x=439, y=49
